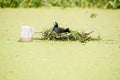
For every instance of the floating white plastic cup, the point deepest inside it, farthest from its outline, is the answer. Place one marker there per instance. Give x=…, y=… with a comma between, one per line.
x=26, y=34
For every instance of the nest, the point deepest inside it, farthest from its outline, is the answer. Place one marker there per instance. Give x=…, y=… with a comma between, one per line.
x=67, y=36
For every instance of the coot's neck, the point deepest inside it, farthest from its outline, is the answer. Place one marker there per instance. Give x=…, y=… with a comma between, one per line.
x=56, y=24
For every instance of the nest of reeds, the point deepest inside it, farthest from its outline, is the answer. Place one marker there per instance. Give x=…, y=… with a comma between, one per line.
x=61, y=34
x=67, y=36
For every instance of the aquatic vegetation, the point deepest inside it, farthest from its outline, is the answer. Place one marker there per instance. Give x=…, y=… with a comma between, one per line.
x=61, y=3
x=49, y=34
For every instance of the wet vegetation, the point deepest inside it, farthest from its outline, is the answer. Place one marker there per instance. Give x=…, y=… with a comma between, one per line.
x=60, y=3
x=68, y=36
x=65, y=34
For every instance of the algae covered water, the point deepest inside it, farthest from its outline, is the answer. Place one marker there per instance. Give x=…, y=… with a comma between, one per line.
x=60, y=60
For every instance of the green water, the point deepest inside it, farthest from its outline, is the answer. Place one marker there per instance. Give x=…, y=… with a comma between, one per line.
x=57, y=60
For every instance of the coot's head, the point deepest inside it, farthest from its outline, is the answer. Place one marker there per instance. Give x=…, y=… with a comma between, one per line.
x=55, y=24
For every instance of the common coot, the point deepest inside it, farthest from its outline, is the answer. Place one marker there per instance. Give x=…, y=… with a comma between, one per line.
x=57, y=29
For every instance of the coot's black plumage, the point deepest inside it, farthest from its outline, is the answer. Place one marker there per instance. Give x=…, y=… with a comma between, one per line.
x=57, y=29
